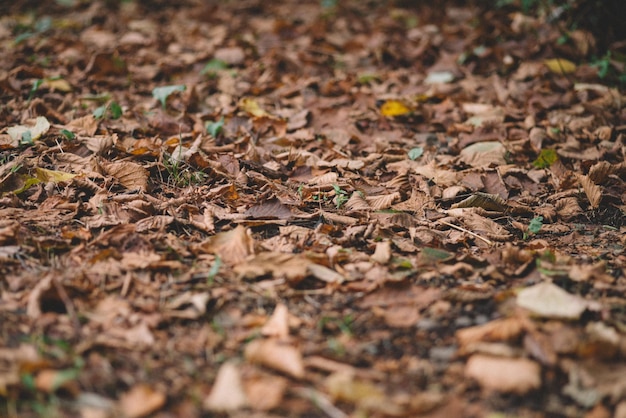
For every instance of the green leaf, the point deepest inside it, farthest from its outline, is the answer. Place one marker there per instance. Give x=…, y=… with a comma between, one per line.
x=535, y=224
x=415, y=153
x=212, y=67
x=215, y=268
x=100, y=112
x=162, y=93
x=27, y=138
x=116, y=110
x=68, y=134
x=546, y=158
x=214, y=128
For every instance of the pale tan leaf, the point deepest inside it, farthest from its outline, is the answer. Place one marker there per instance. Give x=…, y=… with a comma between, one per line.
x=128, y=174
x=293, y=267
x=99, y=144
x=158, y=222
x=276, y=355
x=506, y=329
x=508, y=375
x=592, y=190
x=271, y=209
x=342, y=163
x=86, y=125
x=491, y=202
x=356, y=203
x=325, y=179
x=227, y=393
x=548, y=300
x=383, y=201
x=568, y=208
x=325, y=274
x=600, y=171
x=479, y=224
x=232, y=246
x=441, y=177
x=382, y=253
x=484, y=154
x=278, y=324
x=265, y=392
x=140, y=401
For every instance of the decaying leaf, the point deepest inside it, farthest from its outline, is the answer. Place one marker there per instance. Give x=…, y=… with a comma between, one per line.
x=548, y=300
x=508, y=375
x=592, y=190
x=140, y=401
x=227, y=393
x=130, y=175
x=276, y=355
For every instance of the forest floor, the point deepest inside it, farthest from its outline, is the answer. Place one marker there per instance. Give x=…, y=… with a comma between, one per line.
x=308, y=209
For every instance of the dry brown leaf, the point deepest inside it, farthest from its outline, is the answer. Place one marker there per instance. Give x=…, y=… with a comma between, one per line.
x=497, y=330
x=227, y=393
x=508, y=375
x=130, y=175
x=383, y=201
x=278, y=324
x=140, y=401
x=382, y=253
x=265, y=391
x=325, y=274
x=592, y=191
x=272, y=209
x=276, y=355
x=344, y=386
x=293, y=267
x=482, y=225
x=600, y=171
x=568, y=208
x=484, y=154
x=357, y=203
x=548, y=300
x=232, y=246
x=327, y=179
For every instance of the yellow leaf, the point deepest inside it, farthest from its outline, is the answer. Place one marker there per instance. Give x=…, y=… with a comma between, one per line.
x=45, y=175
x=58, y=84
x=560, y=66
x=394, y=108
x=252, y=107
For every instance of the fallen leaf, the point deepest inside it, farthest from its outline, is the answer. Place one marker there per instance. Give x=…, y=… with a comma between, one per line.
x=29, y=133
x=548, y=300
x=227, y=393
x=140, y=401
x=276, y=355
x=507, y=375
x=560, y=66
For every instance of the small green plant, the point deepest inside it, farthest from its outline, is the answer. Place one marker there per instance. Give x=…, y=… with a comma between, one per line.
x=546, y=158
x=213, y=67
x=68, y=134
x=341, y=196
x=415, y=153
x=162, y=93
x=36, y=84
x=180, y=174
x=214, y=128
x=111, y=108
x=534, y=226
x=215, y=268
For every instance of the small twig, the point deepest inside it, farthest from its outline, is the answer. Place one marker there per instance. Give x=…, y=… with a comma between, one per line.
x=485, y=240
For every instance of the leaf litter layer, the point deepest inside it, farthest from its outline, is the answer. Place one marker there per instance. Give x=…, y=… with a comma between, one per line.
x=307, y=209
